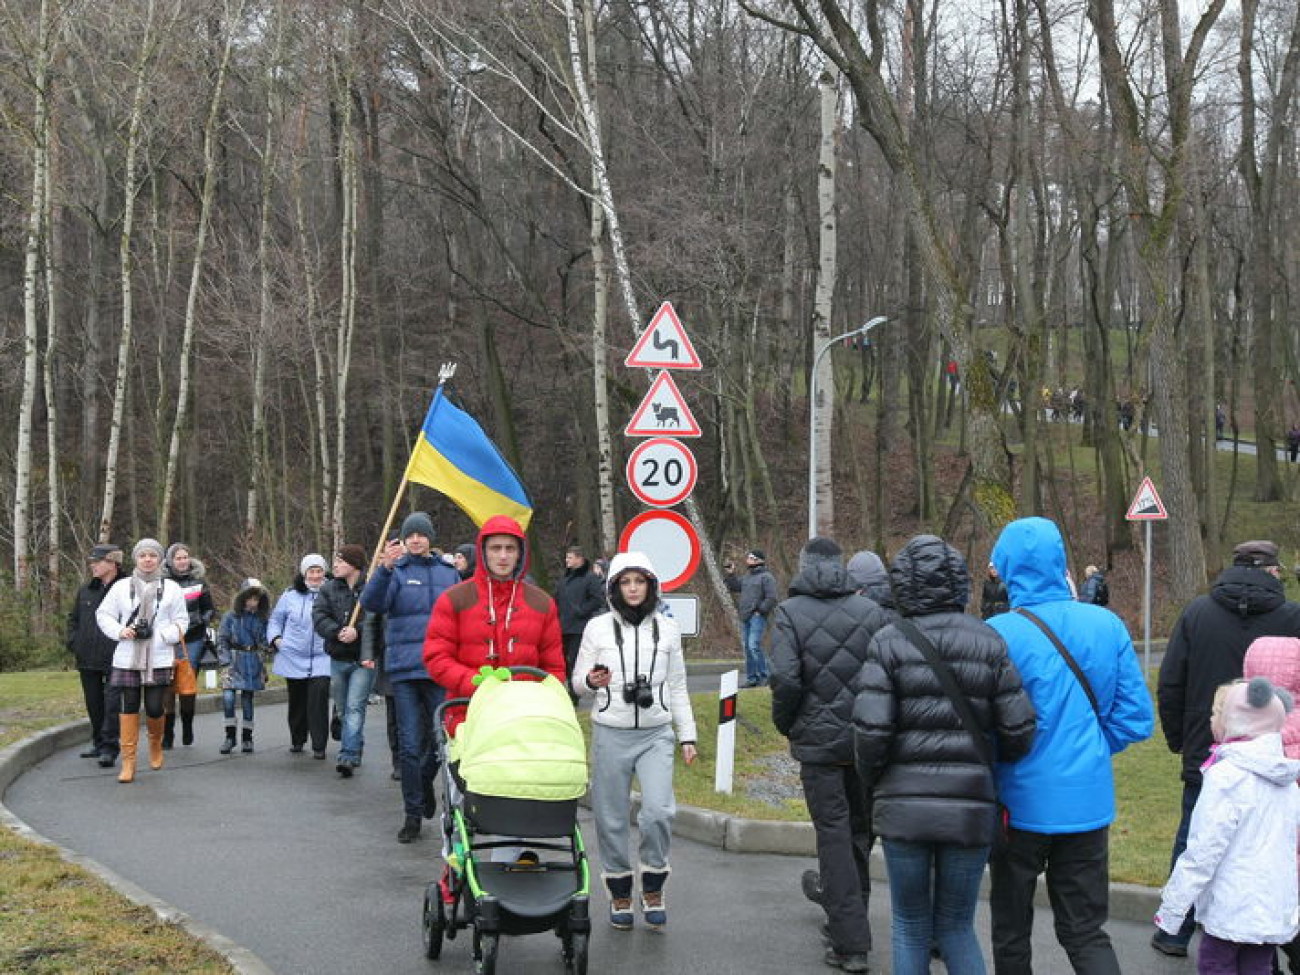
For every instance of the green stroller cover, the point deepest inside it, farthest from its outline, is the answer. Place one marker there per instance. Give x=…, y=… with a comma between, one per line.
x=521, y=740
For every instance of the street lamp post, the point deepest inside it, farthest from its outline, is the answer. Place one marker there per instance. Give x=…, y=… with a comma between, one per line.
x=812, y=415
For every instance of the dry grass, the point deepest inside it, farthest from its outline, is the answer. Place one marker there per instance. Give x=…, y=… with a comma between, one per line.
x=56, y=917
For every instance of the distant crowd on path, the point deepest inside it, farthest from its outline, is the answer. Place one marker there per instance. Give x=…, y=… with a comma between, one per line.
x=963, y=743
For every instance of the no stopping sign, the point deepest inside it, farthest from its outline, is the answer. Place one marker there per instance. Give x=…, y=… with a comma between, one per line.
x=669, y=540
x=662, y=472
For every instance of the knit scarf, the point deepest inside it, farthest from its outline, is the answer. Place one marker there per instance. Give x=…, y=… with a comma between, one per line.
x=145, y=587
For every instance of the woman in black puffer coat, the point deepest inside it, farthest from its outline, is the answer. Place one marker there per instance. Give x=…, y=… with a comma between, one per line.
x=935, y=805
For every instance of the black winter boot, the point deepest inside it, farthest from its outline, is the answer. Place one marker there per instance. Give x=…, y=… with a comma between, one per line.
x=246, y=745
x=187, y=719
x=228, y=745
x=169, y=732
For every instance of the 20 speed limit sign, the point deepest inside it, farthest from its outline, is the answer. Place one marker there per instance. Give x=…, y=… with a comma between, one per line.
x=662, y=472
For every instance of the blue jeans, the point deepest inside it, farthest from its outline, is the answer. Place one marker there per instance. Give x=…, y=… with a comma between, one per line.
x=933, y=888
x=350, y=685
x=417, y=745
x=228, y=706
x=752, y=635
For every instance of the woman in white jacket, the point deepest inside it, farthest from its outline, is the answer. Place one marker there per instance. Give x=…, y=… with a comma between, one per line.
x=146, y=615
x=631, y=661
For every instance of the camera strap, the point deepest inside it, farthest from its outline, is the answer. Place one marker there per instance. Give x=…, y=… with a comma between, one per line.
x=654, y=653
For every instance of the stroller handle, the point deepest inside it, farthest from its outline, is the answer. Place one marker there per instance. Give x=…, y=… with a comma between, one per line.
x=456, y=702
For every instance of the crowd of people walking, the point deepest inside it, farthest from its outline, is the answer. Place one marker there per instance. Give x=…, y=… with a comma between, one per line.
x=963, y=740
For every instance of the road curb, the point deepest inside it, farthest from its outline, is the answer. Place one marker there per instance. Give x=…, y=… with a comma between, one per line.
x=22, y=755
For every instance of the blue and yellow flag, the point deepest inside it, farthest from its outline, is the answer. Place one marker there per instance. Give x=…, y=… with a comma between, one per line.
x=453, y=455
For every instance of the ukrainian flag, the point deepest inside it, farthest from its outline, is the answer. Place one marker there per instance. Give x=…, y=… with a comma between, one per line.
x=454, y=456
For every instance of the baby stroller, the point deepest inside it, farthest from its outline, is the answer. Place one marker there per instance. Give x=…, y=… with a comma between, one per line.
x=515, y=770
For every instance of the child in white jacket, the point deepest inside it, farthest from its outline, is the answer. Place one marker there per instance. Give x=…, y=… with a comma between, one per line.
x=1239, y=868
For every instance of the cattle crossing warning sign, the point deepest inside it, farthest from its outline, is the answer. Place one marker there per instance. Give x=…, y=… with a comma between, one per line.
x=663, y=412
x=664, y=345
x=1147, y=505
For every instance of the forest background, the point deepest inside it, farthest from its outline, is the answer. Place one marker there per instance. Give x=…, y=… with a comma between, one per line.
x=238, y=238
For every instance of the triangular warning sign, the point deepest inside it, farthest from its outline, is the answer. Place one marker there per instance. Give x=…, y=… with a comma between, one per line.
x=663, y=411
x=664, y=345
x=1147, y=505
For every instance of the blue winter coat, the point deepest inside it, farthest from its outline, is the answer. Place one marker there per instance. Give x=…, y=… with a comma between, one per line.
x=301, y=651
x=1065, y=784
x=405, y=594
x=241, y=640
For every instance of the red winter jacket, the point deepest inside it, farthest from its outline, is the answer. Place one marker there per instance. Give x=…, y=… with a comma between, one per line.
x=484, y=620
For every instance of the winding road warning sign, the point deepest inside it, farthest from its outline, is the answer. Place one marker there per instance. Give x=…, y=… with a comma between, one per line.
x=664, y=345
x=1147, y=505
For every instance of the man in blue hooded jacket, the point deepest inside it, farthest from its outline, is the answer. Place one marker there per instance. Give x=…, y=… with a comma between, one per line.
x=1061, y=797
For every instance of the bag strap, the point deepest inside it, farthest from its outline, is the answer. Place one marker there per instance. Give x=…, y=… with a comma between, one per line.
x=1069, y=660
x=949, y=684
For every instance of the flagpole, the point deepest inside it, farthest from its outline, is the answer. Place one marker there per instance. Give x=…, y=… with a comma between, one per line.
x=445, y=372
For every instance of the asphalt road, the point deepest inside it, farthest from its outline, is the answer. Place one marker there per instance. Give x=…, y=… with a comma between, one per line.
x=276, y=852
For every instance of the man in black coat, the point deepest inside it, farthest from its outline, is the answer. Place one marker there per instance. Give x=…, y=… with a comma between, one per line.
x=579, y=597
x=1205, y=650
x=94, y=655
x=819, y=643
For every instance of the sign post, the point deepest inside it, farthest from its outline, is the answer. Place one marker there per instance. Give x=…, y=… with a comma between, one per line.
x=1146, y=507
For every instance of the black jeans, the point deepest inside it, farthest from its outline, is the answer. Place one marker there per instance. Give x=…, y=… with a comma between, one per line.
x=309, y=711
x=1078, y=868
x=103, y=703
x=840, y=809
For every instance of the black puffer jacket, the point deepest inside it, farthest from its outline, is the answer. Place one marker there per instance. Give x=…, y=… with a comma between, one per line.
x=820, y=637
x=1207, y=648
x=930, y=782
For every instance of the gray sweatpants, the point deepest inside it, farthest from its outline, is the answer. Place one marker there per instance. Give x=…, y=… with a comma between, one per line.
x=616, y=755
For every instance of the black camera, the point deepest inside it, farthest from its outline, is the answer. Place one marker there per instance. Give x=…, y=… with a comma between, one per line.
x=143, y=629
x=639, y=692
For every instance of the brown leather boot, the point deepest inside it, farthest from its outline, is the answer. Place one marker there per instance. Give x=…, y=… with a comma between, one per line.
x=155, y=726
x=129, y=730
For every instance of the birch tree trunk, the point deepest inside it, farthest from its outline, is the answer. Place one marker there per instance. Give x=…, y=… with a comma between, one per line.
x=257, y=467
x=31, y=322
x=599, y=328
x=131, y=188
x=822, y=405
x=232, y=24
x=591, y=125
x=53, y=262
x=347, y=307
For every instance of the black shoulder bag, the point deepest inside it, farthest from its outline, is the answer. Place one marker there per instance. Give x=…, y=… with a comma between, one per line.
x=1069, y=660
x=964, y=711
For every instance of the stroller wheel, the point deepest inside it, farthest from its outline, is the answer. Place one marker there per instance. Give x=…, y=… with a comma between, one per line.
x=434, y=921
x=485, y=952
x=575, y=962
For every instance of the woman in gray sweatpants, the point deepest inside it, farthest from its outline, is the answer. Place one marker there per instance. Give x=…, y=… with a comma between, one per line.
x=631, y=661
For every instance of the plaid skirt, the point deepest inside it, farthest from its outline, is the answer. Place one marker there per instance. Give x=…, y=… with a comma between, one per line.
x=135, y=678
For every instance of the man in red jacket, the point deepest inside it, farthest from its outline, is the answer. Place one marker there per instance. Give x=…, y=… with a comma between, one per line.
x=494, y=617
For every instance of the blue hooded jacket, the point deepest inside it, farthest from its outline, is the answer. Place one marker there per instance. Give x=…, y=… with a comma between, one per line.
x=1065, y=784
x=405, y=595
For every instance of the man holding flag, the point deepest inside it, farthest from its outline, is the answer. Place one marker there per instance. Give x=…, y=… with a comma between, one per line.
x=452, y=455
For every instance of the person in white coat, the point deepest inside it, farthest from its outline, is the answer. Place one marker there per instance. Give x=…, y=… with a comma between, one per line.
x=146, y=614
x=630, y=661
x=1239, y=868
